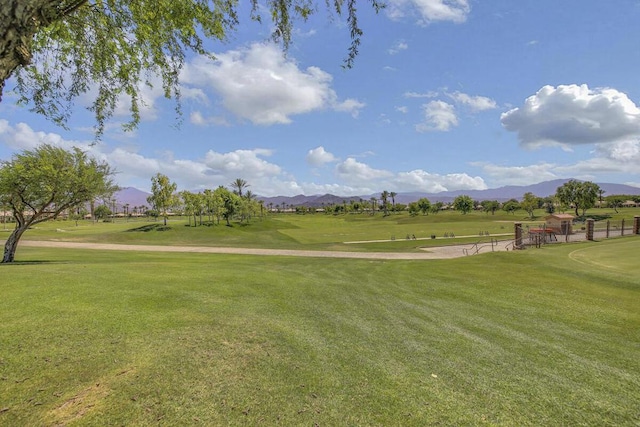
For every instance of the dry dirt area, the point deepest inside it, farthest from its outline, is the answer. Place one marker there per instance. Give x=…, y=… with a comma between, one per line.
x=441, y=252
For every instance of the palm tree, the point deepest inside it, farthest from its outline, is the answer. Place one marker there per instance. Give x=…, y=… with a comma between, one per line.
x=239, y=184
x=373, y=205
x=385, y=204
x=600, y=193
x=393, y=195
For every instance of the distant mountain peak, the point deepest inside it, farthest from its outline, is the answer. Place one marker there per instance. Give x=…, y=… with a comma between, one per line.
x=542, y=189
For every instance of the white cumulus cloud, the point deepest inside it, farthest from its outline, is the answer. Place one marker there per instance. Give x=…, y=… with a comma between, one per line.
x=475, y=103
x=319, y=156
x=357, y=173
x=574, y=114
x=420, y=180
x=429, y=10
x=519, y=175
x=438, y=116
x=258, y=83
x=397, y=48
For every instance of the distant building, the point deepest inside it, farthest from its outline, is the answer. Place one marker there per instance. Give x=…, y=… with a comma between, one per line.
x=560, y=223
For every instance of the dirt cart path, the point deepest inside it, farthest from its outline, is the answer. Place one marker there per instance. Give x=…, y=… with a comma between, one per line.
x=442, y=252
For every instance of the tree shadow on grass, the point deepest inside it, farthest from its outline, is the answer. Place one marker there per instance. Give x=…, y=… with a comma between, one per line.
x=150, y=227
x=33, y=262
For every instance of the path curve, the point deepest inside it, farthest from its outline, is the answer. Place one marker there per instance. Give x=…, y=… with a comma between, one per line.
x=439, y=252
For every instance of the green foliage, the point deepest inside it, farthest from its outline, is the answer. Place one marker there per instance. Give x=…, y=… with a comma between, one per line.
x=102, y=212
x=490, y=206
x=511, y=206
x=239, y=186
x=163, y=197
x=463, y=204
x=530, y=202
x=116, y=48
x=581, y=195
x=193, y=204
x=39, y=184
x=231, y=203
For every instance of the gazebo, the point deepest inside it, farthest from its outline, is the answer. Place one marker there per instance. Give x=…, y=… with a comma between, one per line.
x=560, y=223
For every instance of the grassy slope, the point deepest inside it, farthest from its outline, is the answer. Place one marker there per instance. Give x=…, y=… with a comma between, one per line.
x=541, y=337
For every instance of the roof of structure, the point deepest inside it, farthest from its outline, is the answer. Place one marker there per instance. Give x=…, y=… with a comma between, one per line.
x=560, y=216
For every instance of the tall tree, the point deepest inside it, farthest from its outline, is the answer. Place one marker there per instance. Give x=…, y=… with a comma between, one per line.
x=463, y=204
x=436, y=207
x=424, y=205
x=163, y=197
x=40, y=184
x=230, y=203
x=189, y=205
x=102, y=212
x=374, y=205
x=530, y=202
x=511, y=206
x=587, y=196
x=384, y=197
x=63, y=49
x=600, y=193
x=239, y=185
x=567, y=194
x=579, y=195
x=490, y=206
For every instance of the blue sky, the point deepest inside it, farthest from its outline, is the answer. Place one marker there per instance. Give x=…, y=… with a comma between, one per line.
x=444, y=95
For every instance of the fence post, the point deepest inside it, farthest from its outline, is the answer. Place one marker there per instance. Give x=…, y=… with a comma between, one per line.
x=590, y=223
x=518, y=235
x=608, y=228
x=622, y=229
x=636, y=224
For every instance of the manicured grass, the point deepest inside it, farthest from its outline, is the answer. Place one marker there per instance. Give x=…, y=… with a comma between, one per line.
x=538, y=337
x=309, y=232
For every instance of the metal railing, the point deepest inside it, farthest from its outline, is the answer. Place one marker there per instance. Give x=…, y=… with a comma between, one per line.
x=476, y=248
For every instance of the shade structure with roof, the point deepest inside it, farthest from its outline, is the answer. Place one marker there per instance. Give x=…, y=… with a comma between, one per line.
x=560, y=223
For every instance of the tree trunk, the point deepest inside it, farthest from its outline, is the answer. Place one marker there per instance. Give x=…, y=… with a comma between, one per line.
x=12, y=244
x=20, y=20
x=16, y=33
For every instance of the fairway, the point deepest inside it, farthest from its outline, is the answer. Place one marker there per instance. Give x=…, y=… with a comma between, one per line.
x=141, y=338
x=622, y=257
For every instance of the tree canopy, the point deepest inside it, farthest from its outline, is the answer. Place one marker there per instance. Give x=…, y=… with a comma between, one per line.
x=40, y=184
x=530, y=202
x=163, y=196
x=463, y=204
x=112, y=49
x=578, y=194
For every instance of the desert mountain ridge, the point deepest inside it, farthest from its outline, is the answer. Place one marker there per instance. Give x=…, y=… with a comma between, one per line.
x=134, y=197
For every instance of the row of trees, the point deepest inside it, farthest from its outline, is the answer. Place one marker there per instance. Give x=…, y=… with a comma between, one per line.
x=218, y=203
x=40, y=184
x=576, y=195
x=573, y=199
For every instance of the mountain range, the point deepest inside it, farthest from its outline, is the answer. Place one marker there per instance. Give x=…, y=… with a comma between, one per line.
x=134, y=197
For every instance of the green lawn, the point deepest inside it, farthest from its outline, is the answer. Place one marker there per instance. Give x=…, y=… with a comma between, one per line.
x=291, y=231
x=540, y=337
